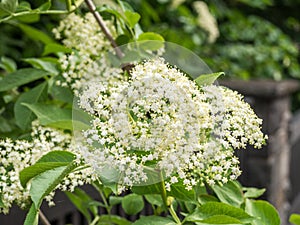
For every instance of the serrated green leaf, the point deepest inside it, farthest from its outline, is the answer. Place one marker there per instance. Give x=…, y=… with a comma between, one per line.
x=154, y=199
x=220, y=219
x=8, y=64
x=23, y=115
x=208, y=79
x=55, y=48
x=109, y=219
x=295, y=219
x=32, y=217
x=44, y=183
x=132, y=18
x=179, y=191
x=35, y=34
x=20, y=77
x=211, y=209
x=202, y=199
x=264, y=212
x=43, y=64
x=229, y=193
x=29, y=172
x=253, y=192
x=154, y=220
x=49, y=161
x=52, y=115
x=132, y=204
x=57, y=156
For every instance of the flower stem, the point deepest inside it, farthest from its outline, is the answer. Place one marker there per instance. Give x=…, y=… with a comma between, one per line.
x=168, y=206
x=103, y=27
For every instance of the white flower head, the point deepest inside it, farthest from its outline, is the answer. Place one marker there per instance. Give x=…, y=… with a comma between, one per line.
x=159, y=121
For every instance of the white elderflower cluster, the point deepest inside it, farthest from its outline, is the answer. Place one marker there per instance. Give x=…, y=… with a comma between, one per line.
x=161, y=120
x=15, y=155
x=207, y=21
x=88, y=58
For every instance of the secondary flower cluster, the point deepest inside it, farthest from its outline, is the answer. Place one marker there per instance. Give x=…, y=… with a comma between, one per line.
x=159, y=120
x=89, y=47
x=15, y=155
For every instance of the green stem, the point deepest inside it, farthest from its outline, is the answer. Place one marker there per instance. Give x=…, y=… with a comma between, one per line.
x=167, y=206
x=163, y=191
x=33, y=12
x=94, y=222
x=174, y=214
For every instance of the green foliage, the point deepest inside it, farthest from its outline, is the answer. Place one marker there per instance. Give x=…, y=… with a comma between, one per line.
x=229, y=193
x=20, y=77
x=23, y=115
x=295, y=219
x=154, y=220
x=32, y=217
x=263, y=211
x=208, y=79
x=132, y=204
x=29, y=93
x=253, y=40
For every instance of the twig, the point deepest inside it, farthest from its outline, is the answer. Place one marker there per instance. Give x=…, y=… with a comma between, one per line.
x=103, y=27
x=44, y=220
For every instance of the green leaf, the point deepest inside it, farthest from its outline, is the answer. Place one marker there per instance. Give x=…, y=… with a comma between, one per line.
x=147, y=189
x=49, y=161
x=62, y=93
x=115, y=200
x=229, y=193
x=23, y=6
x=52, y=115
x=44, y=183
x=55, y=48
x=57, y=156
x=295, y=219
x=20, y=77
x=207, y=198
x=43, y=64
x=154, y=199
x=35, y=34
x=150, y=36
x=179, y=191
x=132, y=18
x=211, y=209
x=253, y=192
x=45, y=6
x=30, y=172
x=132, y=204
x=32, y=217
x=8, y=64
x=23, y=115
x=154, y=220
x=8, y=7
x=150, y=41
x=220, y=219
x=208, y=79
x=264, y=212
x=80, y=204
x=109, y=219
